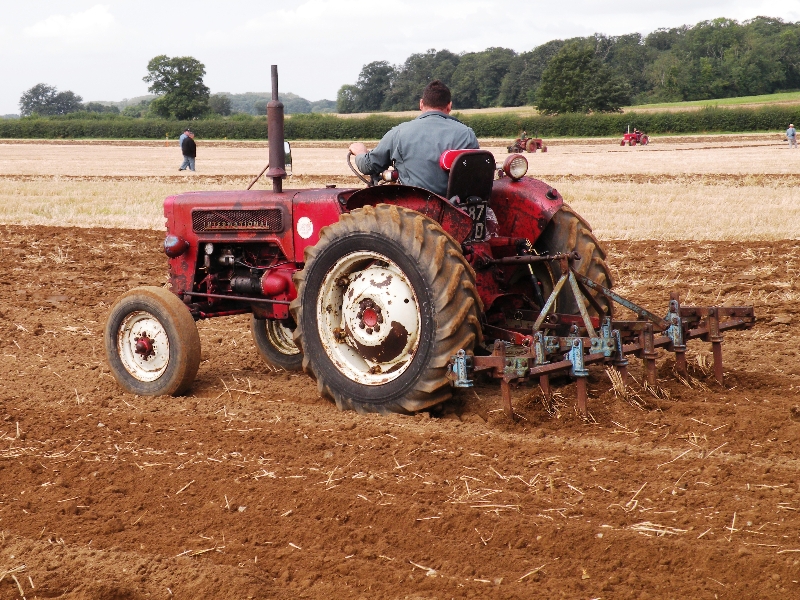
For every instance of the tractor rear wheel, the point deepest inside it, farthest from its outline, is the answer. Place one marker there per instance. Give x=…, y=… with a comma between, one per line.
x=568, y=232
x=274, y=342
x=645, y=140
x=151, y=342
x=385, y=299
x=530, y=146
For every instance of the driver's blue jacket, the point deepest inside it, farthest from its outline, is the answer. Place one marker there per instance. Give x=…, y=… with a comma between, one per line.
x=415, y=148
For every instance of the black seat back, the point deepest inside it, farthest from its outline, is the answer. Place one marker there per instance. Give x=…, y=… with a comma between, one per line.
x=471, y=175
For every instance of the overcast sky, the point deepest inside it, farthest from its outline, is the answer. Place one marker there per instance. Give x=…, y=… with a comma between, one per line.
x=100, y=50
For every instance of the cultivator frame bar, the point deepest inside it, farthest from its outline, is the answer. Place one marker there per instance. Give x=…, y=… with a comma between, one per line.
x=593, y=340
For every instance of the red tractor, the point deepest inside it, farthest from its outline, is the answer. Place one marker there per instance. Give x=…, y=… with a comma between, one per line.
x=637, y=137
x=389, y=295
x=526, y=144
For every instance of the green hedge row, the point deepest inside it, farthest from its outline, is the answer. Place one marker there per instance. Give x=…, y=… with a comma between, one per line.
x=327, y=127
x=598, y=125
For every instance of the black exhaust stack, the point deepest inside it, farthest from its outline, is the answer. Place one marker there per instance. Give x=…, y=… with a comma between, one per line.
x=277, y=158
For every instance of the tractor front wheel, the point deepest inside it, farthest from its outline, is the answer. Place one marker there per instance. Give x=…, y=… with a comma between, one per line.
x=385, y=299
x=151, y=342
x=568, y=232
x=274, y=342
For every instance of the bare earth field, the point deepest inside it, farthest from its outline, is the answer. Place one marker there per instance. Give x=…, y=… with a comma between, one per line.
x=253, y=486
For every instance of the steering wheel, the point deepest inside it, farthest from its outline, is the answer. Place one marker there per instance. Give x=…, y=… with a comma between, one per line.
x=356, y=172
x=390, y=175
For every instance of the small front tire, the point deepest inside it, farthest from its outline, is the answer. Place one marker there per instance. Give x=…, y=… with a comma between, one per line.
x=274, y=343
x=151, y=342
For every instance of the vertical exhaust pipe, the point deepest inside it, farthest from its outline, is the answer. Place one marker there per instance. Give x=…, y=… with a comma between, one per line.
x=277, y=158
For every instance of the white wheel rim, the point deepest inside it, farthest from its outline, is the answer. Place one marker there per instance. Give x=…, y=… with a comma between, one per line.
x=368, y=318
x=143, y=346
x=281, y=338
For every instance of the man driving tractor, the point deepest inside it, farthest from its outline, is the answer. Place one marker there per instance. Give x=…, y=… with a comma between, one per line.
x=414, y=147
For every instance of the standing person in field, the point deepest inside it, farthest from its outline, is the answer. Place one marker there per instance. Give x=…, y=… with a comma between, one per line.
x=415, y=146
x=183, y=137
x=189, y=149
x=791, y=135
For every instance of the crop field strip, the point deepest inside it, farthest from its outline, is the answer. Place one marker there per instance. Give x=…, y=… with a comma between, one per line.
x=705, y=188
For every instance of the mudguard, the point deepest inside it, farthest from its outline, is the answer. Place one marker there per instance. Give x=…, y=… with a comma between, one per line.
x=524, y=208
x=453, y=220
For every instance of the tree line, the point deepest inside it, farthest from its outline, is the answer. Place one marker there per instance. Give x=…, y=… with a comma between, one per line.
x=180, y=93
x=330, y=127
x=721, y=58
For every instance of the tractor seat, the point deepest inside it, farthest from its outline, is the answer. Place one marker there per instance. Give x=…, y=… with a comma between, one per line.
x=471, y=173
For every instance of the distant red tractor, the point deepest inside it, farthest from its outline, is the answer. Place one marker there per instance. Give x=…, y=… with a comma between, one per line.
x=526, y=144
x=633, y=138
x=390, y=296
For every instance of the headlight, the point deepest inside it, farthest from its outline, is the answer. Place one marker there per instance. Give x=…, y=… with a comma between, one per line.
x=515, y=166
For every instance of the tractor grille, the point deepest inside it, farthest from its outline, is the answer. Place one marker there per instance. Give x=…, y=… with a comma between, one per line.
x=235, y=220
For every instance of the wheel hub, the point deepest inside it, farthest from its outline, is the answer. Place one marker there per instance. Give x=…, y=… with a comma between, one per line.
x=370, y=314
x=143, y=346
x=368, y=318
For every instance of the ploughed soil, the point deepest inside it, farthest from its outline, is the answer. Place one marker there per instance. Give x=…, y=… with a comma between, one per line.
x=252, y=486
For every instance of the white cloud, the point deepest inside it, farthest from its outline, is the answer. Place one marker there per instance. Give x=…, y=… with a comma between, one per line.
x=82, y=25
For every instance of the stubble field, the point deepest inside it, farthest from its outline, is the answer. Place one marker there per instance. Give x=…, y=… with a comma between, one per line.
x=253, y=486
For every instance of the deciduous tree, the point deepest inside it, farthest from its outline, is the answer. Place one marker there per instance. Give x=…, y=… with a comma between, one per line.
x=220, y=104
x=178, y=82
x=575, y=80
x=45, y=100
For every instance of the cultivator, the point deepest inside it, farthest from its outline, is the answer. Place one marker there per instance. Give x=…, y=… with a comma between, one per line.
x=519, y=356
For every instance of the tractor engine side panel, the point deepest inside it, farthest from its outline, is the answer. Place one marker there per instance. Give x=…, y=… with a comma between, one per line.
x=525, y=207
x=243, y=217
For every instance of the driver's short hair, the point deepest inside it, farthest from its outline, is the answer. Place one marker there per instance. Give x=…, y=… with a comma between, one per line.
x=436, y=95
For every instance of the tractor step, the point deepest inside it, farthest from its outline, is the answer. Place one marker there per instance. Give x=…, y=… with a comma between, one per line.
x=592, y=340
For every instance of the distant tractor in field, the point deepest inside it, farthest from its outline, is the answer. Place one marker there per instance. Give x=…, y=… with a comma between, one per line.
x=525, y=144
x=637, y=137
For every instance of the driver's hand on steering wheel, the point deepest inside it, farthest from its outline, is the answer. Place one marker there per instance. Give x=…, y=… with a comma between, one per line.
x=358, y=148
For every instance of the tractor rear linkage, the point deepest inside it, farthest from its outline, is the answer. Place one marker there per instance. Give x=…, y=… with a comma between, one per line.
x=598, y=340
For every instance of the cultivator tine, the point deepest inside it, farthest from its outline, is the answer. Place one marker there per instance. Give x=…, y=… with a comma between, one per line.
x=580, y=372
x=582, y=398
x=715, y=338
x=648, y=353
x=505, y=389
x=620, y=363
x=544, y=385
x=500, y=372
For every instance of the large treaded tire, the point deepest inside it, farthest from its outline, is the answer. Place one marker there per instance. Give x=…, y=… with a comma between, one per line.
x=159, y=315
x=275, y=344
x=567, y=231
x=447, y=307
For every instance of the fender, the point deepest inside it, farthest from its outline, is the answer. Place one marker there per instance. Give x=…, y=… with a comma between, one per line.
x=524, y=207
x=453, y=220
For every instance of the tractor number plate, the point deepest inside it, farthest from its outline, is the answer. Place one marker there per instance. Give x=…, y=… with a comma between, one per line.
x=477, y=212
